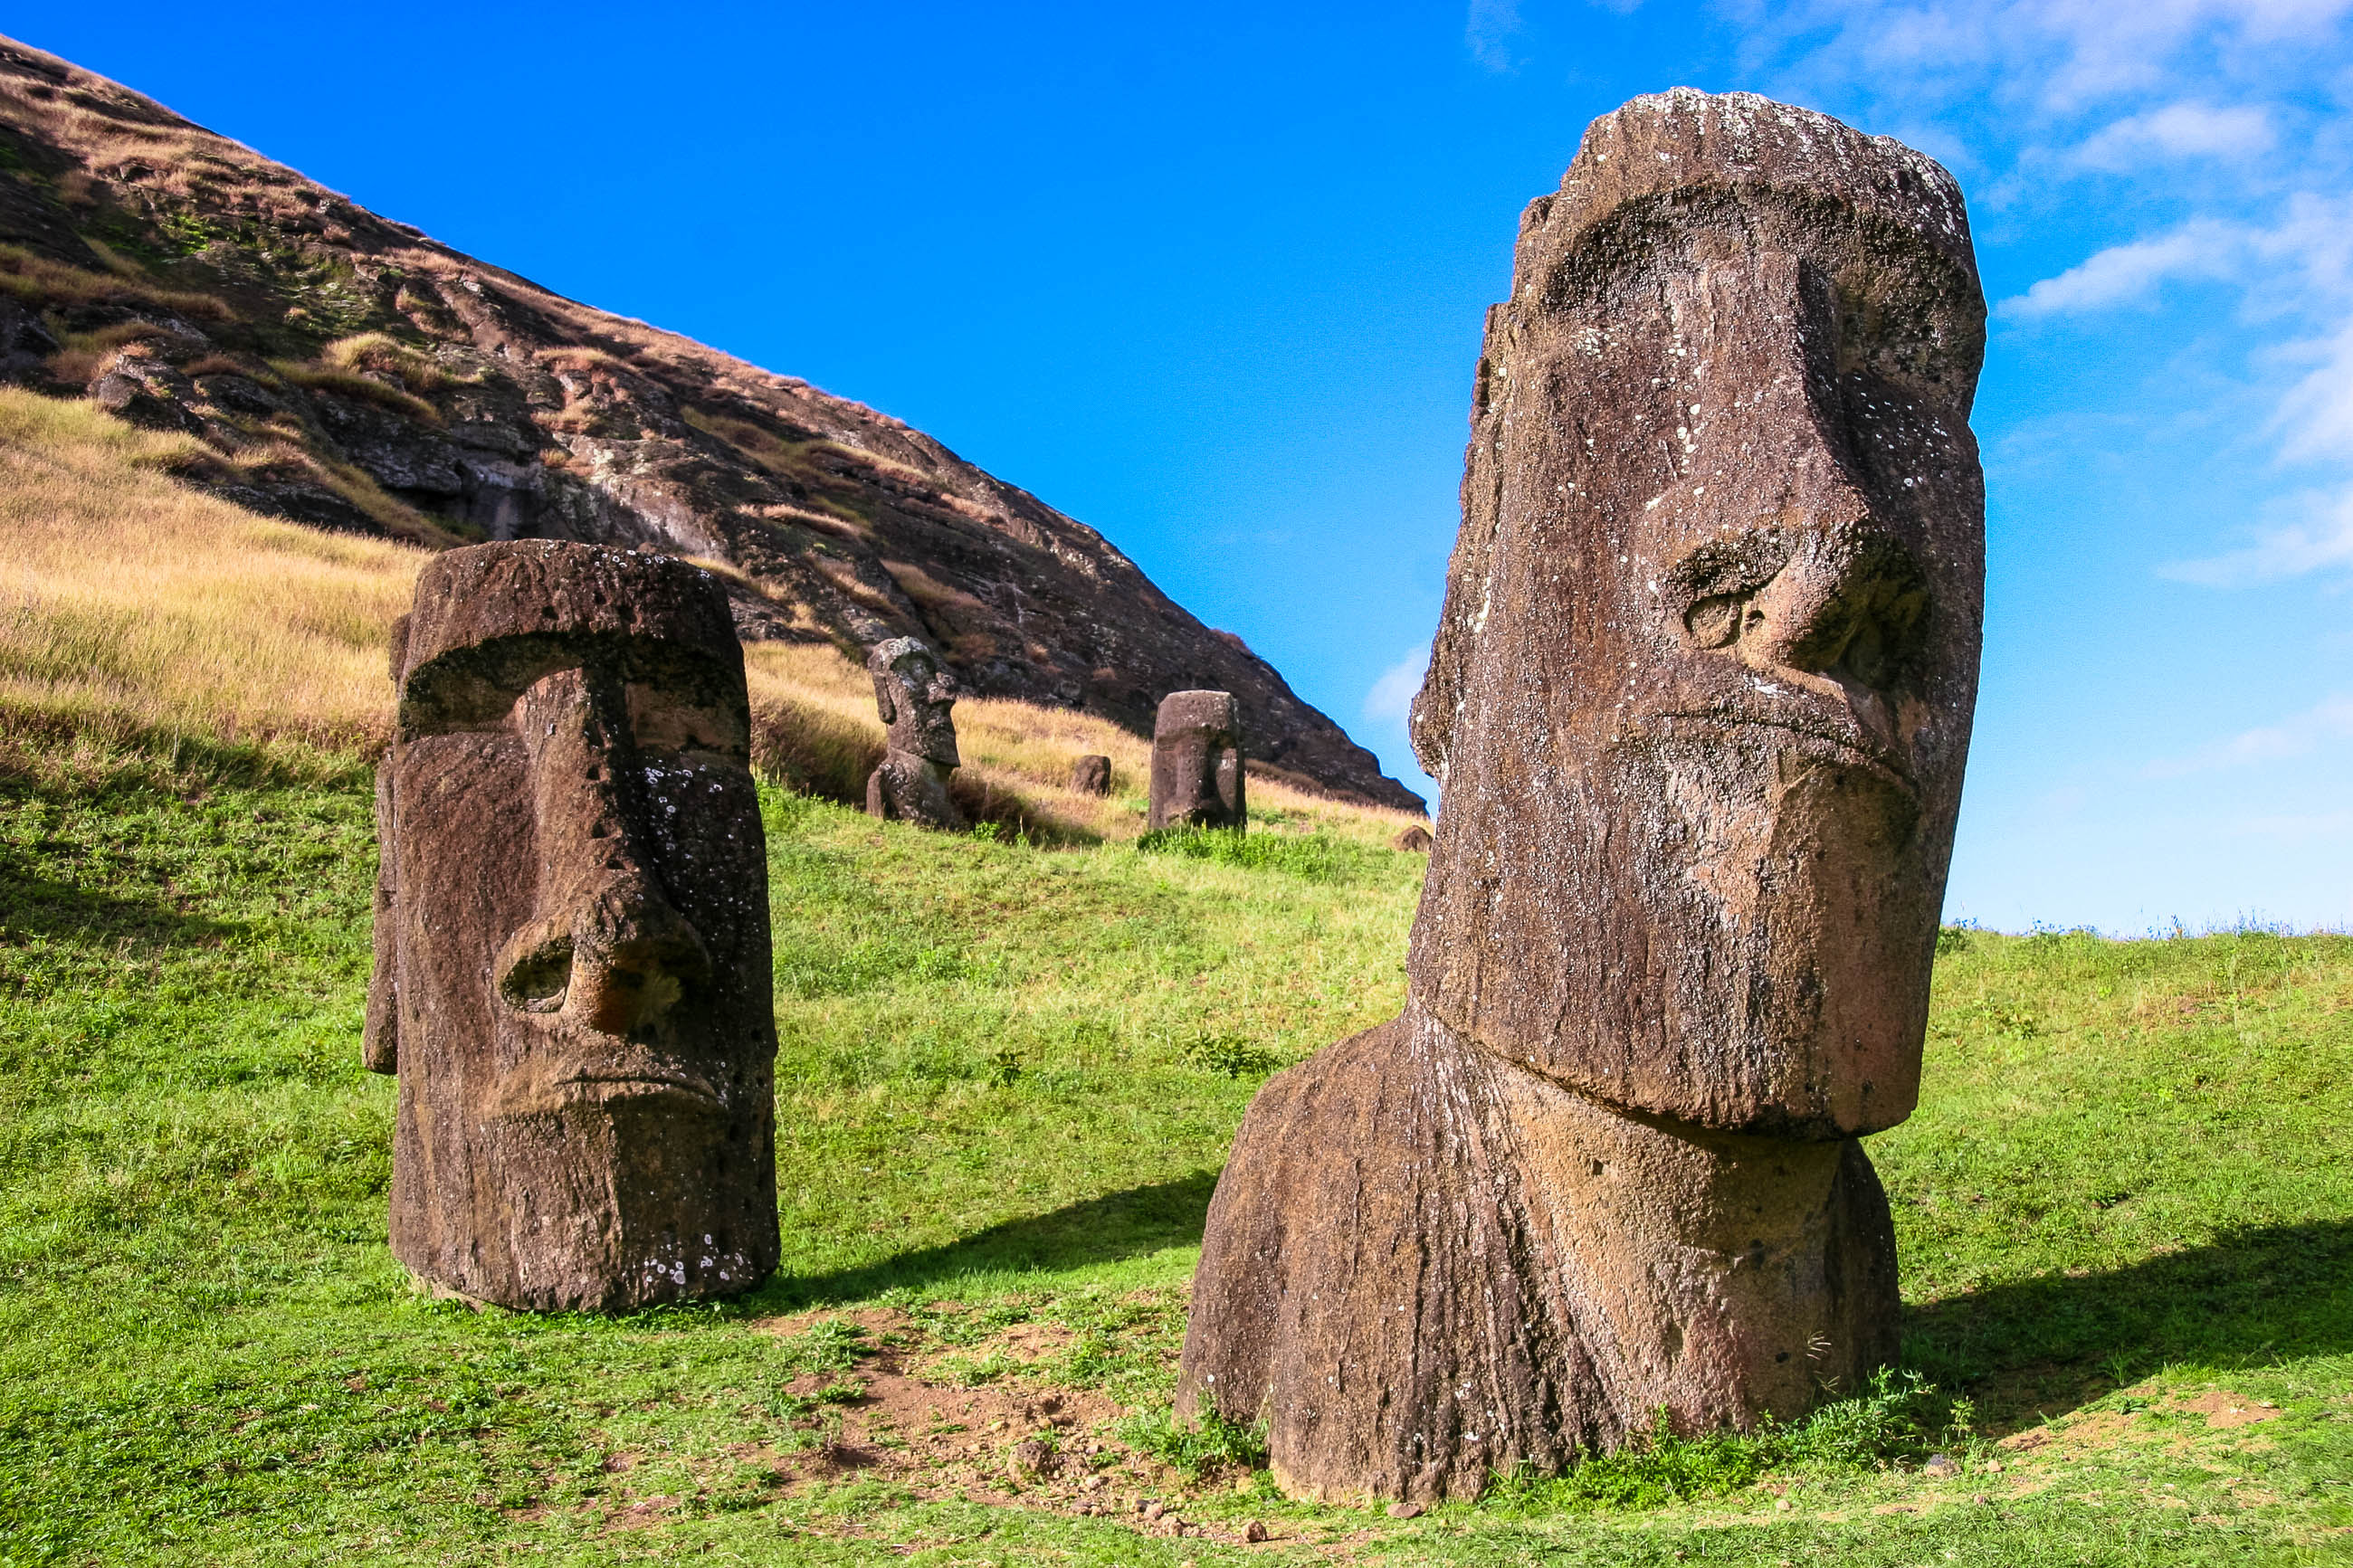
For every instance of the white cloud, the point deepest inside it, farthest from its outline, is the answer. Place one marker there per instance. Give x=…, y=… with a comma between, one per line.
x=2178, y=131
x=2054, y=54
x=2323, y=541
x=2297, y=736
x=2318, y=412
x=1391, y=698
x=2125, y=273
x=1487, y=30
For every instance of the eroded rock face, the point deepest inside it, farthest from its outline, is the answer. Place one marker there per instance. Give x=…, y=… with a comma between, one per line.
x=1197, y=762
x=571, y=958
x=913, y=693
x=1700, y=701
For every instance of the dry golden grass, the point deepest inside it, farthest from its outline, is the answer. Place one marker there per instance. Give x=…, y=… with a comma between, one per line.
x=1021, y=755
x=132, y=606
x=134, y=609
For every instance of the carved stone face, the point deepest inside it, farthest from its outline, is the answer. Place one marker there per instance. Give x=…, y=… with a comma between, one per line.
x=913, y=692
x=1702, y=693
x=573, y=958
x=1197, y=762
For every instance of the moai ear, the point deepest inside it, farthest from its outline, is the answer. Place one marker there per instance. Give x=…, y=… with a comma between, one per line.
x=883, y=699
x=397, y=648
x=380, y=1039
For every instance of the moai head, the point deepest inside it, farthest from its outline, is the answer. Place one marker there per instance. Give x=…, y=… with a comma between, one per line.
x=572, y=975
x=1702, y=689
x=913, y=691
x=1090, y=776
x=1197, y=762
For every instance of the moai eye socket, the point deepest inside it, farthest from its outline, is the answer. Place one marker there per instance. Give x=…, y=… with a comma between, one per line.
x=1714, y=621
x=539, y=980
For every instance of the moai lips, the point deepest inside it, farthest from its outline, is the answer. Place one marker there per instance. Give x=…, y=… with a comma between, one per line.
x=913, y=693
x=1197, y=762
x=1700, y=701
x=572, y=975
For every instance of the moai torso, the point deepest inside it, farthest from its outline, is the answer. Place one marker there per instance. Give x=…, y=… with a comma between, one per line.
x=1197, y=762
x=913, y=693
x=571, y=977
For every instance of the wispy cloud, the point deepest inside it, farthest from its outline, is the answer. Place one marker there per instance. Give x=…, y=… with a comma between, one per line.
x=2052, y=55
x=2125, y=274
x=1391, y=698
x=2186, y=130
x=2297, y=736
x=1488, y=30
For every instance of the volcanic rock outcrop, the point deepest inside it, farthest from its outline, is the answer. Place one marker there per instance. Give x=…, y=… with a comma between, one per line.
x=344, y=371
x=1196, y=763
x=571, y=963
x=1700, y=703
x=912, y=694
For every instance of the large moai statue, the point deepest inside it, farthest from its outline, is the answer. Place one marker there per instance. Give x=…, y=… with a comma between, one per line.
x=1700, y=702
x=912, y=692
x=1196, y=763
x=572, y=963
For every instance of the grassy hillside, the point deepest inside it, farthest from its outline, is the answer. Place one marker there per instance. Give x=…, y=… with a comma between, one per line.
x=135, y=612
x=1010, y=1066
x=1008, y=1076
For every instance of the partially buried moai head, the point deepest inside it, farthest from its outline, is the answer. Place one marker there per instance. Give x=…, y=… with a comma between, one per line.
x=1701, y=691
x=1198, y=771
x=913, y=693
x=571, y=935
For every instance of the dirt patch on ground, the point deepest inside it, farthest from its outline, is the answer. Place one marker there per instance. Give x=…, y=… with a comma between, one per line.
x=2224, y=1408
x=961, y=1421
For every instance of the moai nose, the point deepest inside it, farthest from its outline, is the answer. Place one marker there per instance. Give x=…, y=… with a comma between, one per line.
x=1847, y=606
x=606, y=946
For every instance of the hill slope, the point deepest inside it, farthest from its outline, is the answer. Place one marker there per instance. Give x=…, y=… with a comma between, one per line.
x=343, y=370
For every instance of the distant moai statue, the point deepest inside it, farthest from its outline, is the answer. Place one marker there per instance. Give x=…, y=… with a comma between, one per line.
x=912, y=692
x=1413, y=838
x=1090, y=776
x=1197, y=762
x=572, y=963
x=1700, y=703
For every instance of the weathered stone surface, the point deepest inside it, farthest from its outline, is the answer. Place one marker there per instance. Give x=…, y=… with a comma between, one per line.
x=1090, y=776
x=571, y=958
x=913, y=693
x=1197, y=762
x=1700, y=702
x=1414, y=839
x=496, y=410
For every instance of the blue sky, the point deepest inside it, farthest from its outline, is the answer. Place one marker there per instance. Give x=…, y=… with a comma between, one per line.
x=1210, y=278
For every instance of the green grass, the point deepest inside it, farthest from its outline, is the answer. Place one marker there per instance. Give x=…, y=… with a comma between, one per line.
x=1008, y=1076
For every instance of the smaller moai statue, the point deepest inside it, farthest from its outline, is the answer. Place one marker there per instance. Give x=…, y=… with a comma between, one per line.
x=1413, y=838
x=1197, y=762
x=912, y=692
x=1090, y=776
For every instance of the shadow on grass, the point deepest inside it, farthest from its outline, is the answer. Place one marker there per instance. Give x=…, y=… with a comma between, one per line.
x=2247, y=1298
x=32, y=905
x=1108, y=1229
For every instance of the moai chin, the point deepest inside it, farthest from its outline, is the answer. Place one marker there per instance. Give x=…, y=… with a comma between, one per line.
x=1700, y=701
x=572, y=964
x=912, y=692
x=1197, y=762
